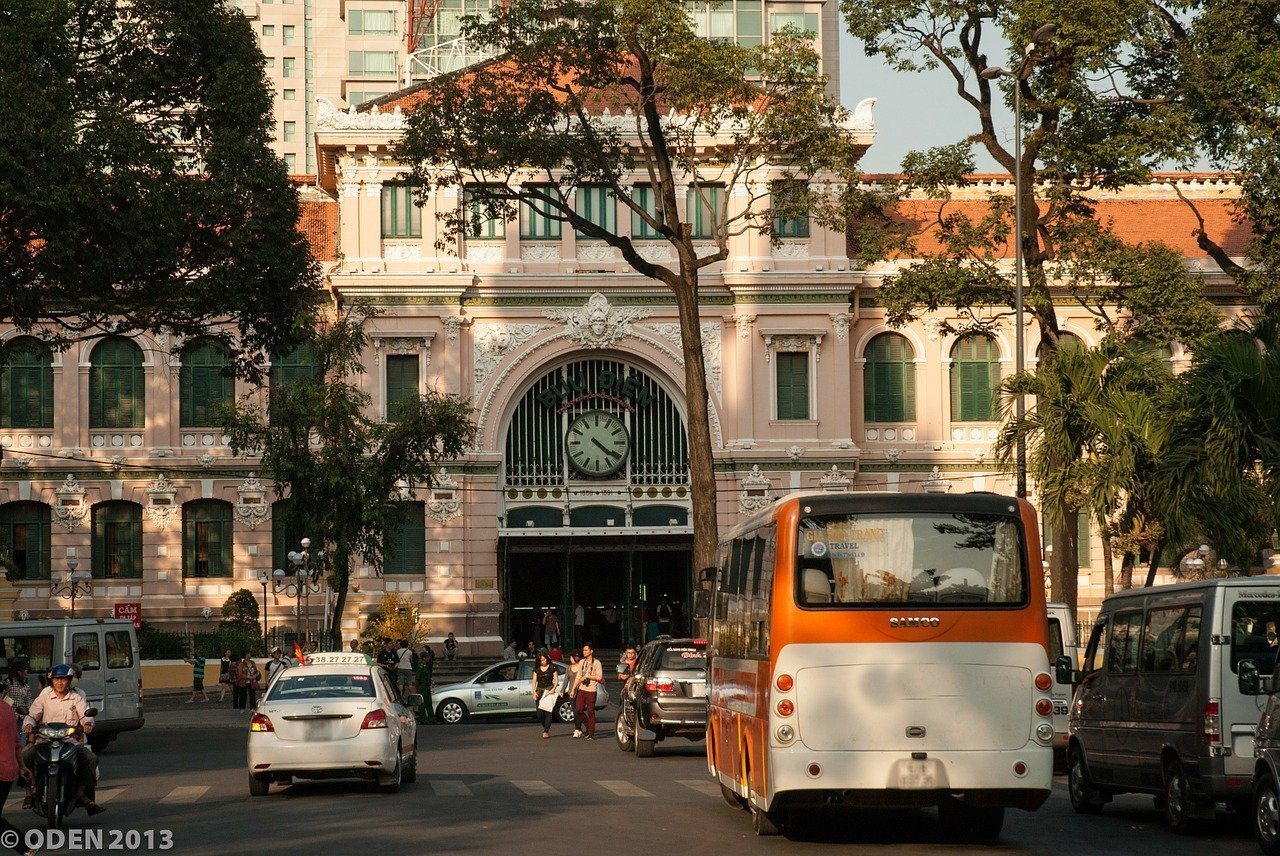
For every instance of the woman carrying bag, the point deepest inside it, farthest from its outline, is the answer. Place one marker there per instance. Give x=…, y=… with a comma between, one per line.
x=545, y=691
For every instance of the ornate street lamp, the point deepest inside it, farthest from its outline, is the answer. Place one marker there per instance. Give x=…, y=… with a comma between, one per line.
x=1039, y=37
x=78, y=584
x=299, y=585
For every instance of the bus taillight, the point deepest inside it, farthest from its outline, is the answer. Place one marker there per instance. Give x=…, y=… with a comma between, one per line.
x=1043, y=682
x=786, y=708
x=785, y=683
x=1044, y=707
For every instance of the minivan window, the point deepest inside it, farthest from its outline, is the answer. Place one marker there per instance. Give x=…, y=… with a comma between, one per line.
x=1122, y=652
x=1170, y=640
x=88, y=656
x=1055, y=639
x=1097, y=642
x=36, y=650
x=1254, y=625
x=119, y=650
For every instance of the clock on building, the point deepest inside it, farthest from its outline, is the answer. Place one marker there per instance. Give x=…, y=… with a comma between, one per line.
x=597, y=443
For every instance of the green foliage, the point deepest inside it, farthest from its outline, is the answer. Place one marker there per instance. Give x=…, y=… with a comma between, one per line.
x=346, y=487
x=138, y=189
x=397, y=618
x=240, y=612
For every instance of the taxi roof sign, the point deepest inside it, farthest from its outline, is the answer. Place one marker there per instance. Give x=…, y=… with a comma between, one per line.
x=339, y=658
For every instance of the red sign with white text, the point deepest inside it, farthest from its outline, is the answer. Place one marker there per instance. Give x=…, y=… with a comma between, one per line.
x=131, y=611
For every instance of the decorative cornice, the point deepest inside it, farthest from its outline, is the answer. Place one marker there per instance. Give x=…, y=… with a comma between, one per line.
x=330, y=118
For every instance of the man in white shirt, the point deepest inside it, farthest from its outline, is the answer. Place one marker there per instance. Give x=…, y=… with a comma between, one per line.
x=276, y=664
x=59, y=703
x=404, y=668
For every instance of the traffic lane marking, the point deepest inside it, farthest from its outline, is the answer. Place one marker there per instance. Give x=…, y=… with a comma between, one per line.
x=623, y=789
x=536, y=788
x=450, y=788
x=702, y=786
x=184, y=794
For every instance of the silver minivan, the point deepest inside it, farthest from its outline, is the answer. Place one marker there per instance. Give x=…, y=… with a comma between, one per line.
x=1062, y=643
x=106, y=652
x=1159, y=707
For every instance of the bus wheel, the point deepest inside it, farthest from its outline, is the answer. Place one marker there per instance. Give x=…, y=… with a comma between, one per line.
x=969, y=823
x=766, y=822
x=731, y=799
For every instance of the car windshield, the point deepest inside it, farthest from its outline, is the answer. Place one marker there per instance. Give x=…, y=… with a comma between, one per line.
x=683, y=659
x=960, y=560
x=300, y=687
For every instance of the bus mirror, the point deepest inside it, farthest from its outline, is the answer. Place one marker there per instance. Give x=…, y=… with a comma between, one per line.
x=1064, y=670
x=1249, y=680
x=701, y=604
x=707, y=576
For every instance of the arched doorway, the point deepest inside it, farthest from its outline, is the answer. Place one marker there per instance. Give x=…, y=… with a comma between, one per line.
x=594, y=516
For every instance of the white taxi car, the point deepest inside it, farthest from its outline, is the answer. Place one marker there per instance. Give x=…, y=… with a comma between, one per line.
x=336, y=717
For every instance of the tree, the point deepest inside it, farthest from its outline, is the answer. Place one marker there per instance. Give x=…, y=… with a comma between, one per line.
x=397, y=618
x=730, y=123
x=1080, y=394
x=240, y=612
x=345, y=472
x=138, y=190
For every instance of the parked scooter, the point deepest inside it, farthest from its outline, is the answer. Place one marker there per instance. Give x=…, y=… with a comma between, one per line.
x=55, y=771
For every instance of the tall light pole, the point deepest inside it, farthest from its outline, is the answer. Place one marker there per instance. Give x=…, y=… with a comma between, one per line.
x=264, y=577
x=303, y=583
x=1039, y=37
x=78, y=584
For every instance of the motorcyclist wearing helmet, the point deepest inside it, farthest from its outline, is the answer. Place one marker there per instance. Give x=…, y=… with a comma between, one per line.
x=58, y=702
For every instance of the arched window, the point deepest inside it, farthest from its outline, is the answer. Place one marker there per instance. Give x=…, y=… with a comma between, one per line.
x=1065, y=339
x=975, y=377
x=206, y=538
x=205, y=382
x=302, y=363
x=117, y=540
x=24, y=538
x=116, y=387
x=406, y=541
x=889, y=380
x=26, y=384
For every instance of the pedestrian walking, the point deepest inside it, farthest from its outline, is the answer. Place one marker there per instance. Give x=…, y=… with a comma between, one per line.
x=11, y=770
x=17, y=691
x=246, y=680
x=276, y=664
x=450, y=647
x=590, y=675
x=545, y=692
x=551, y=627
x=569, y=688
x=426, y=665
x=579, y=623
x=406, y=662
x=197, y=677
x=224, y=675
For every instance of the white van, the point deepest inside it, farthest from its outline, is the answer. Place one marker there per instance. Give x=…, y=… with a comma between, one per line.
x=106, y=652
x=1062, y=643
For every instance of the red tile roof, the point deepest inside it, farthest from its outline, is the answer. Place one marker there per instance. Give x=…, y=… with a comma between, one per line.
x=318, y=221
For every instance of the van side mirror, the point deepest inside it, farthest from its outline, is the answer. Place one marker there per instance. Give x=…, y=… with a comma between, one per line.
x=701, y=604
x=1248, y=678
x=1064, y=670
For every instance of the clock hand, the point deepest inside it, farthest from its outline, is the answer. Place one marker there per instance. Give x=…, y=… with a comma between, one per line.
x=610, y=452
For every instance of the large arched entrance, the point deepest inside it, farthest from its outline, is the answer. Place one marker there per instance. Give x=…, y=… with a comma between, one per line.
x=594, y=515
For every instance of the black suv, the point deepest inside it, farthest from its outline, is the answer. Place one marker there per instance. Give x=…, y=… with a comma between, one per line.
x=667, y=696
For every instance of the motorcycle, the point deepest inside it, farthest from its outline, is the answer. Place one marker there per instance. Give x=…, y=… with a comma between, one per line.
x=55, y=771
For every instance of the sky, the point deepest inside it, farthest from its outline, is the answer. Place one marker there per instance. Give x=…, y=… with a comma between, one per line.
x=914, y=111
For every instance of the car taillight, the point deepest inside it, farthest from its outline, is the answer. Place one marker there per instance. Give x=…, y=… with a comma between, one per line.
x=660, y=685
x=261, y=722
x=1211, y=733
x=1044, y=707
x=374, y=719
x=785, y=683
x=786, y=708
x=139, y=692
x=1043, y=682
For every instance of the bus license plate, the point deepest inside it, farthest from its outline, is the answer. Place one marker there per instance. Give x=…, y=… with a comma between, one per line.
x=916, y=775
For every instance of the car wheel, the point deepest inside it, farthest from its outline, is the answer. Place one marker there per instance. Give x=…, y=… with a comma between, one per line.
x=411, y=771
x=1266, y=815
x=1080, y=787
x=451, y=712
x=259, y=786
x=620, y=732
x=970, y=823
x=391, y=784
x=1178, y=800
x=565, y=711
x=644, y=748
x=731, y=799
x=766, y=823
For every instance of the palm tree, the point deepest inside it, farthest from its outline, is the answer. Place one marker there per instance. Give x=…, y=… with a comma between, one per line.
x=1220, y=483
x=1086, y=400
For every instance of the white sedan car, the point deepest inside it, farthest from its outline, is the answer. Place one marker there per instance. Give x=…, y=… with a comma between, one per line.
x=337, y=717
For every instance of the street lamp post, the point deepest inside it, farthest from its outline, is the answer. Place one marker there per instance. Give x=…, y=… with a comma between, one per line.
x=78, y=584
x=264, y=577
x=304, y=581
x=1039, y=37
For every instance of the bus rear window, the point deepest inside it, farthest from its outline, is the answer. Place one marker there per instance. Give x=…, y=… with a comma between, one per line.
x=956, y=560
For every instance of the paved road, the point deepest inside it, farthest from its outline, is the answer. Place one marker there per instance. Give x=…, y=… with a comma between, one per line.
x=496, y=788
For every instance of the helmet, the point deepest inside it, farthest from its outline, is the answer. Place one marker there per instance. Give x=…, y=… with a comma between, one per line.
x=62, y=671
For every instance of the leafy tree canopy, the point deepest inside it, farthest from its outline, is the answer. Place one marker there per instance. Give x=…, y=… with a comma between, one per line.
x=240, y=612
x=138, y=189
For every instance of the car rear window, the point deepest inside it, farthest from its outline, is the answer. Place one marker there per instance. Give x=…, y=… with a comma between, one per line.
x=300, y=687
x=680, y=659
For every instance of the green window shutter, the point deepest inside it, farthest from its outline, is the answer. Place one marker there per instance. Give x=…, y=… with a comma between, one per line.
x=890, y=380
x=402, y=382
x=793, y=385
x=188, y=540
x=909, y=387
x=975, y=376
x=646, y=197
x=24, y=538
x=117, y=396
x=598, y=204
x=538, y=220
x=205, y=382
x=406, y=542
x=26, y=384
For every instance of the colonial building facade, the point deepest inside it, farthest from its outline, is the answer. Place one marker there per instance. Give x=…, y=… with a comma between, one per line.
x=111, y=460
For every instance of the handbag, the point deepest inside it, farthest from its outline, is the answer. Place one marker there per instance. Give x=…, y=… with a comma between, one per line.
x=548, y=701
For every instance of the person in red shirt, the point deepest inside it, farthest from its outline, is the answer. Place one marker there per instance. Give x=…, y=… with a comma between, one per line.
x=556, y=655
x=11, y=767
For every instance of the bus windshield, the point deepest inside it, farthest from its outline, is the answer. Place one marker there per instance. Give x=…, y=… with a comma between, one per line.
x=883, y=560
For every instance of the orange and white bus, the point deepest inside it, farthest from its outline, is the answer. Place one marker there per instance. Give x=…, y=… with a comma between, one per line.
x=882, y=650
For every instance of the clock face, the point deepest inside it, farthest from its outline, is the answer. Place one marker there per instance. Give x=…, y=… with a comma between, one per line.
x=597, y=443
